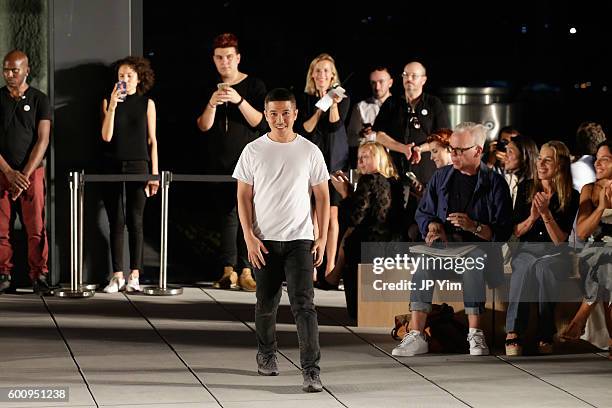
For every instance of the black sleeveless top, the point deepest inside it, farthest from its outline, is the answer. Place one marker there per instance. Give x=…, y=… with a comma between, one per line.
x=129, y=140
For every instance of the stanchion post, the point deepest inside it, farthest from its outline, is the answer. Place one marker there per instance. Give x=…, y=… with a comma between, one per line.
x=164, y=289
x=163, y=256
x=80, y=229
x=75, y=290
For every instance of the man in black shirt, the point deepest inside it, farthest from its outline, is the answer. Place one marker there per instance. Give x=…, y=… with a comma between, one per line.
x=403, y=125
x=25, y=124
x=231, y=119
x=407, y=121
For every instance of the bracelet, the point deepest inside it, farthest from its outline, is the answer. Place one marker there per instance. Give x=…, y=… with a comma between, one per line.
x=212, y=106
x=547, y=221
x=240, y=101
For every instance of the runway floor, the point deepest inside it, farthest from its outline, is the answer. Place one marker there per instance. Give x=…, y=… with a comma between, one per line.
x=198, y=350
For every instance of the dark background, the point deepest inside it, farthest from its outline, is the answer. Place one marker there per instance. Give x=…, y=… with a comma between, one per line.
x=557, y=79
x=524, y=46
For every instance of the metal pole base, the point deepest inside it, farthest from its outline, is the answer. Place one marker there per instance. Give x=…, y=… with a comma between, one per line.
x=168, y=291
x=89, y=286
x=69, y=293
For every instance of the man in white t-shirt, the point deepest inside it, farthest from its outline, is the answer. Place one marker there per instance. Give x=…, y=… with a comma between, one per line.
x=276, y=174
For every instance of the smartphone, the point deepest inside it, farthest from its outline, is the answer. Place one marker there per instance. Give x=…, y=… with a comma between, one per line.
x=222, y=86
x=411, y=176
x=501, y=145
x=122, y=86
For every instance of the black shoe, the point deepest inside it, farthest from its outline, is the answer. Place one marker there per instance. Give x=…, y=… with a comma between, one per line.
x=5, y=282
x=325, y=285
x=41, y=286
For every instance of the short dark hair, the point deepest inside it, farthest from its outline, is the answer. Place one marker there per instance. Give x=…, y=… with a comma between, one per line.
x=226, y=40
x=507, y=129
x=280, y=95
x=606, y=143
x=380, y=68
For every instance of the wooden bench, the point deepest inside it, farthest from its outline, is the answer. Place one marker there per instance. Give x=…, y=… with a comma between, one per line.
x=379, y=308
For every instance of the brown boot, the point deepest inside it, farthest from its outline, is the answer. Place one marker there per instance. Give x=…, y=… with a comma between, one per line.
x=247, y=283
x=229, y=279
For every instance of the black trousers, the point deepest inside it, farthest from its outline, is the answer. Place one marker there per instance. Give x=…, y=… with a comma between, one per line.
x=290, y=261
x=128, y=212
x=232, y=251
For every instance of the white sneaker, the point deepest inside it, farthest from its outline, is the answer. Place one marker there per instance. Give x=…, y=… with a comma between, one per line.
x=478, y=345
x=412, y=344
x=115, y=285
x=133, y=285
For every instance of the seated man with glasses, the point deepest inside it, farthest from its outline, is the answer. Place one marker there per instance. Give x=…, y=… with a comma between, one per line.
x=465, y=202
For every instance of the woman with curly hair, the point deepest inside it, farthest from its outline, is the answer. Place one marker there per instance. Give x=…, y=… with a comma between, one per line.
x=128, y=128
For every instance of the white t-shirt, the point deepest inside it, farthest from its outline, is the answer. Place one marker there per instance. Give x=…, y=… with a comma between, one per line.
x=364, y=112
x=282, y=175
x=583, y=172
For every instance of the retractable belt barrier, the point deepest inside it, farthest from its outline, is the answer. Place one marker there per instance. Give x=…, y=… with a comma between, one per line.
x=77, y=184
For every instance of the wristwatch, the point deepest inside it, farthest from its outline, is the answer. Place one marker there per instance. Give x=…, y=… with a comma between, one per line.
x=478, y=228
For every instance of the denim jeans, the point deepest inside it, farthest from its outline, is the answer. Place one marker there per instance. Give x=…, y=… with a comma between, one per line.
x=473, y=285
x=291, y=261
x=535, y=278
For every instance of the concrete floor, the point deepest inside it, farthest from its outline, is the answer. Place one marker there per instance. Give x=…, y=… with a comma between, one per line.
x=198, y=350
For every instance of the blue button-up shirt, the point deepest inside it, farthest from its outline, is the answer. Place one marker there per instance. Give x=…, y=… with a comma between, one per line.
x=490, y=205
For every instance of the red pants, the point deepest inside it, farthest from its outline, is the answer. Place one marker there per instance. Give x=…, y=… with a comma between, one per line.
x=32, y=203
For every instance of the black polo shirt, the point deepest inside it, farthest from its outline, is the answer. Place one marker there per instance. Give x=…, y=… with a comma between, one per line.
x=407, y=125
x=19, y=121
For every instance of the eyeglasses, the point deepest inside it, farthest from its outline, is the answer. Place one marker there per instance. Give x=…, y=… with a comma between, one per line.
x=412, y=75
x=459, y=150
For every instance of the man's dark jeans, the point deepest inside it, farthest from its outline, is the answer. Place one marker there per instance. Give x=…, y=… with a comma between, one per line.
x=293, y=262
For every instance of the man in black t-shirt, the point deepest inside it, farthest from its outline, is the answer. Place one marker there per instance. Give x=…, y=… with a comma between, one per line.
x=403, y=124
x=25, y=124
x=231, y=119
